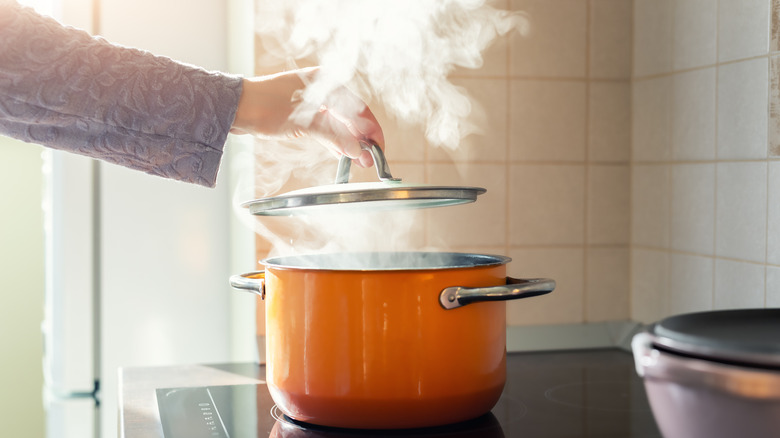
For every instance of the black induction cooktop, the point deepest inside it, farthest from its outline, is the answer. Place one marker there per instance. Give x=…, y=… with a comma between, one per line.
x=582, y=393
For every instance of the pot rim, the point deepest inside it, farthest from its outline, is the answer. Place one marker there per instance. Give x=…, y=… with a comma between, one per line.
x=385, y=261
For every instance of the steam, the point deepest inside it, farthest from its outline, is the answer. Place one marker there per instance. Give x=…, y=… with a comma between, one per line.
x=290, y=165
x=393, y=53
x=399, y=52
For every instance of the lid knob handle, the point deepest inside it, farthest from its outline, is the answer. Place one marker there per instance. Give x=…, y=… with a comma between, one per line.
x=382, y=169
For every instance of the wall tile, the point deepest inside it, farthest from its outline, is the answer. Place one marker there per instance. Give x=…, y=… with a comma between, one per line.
x=738, y=285
x=404, y=141
x=548, y=120
x=693, y=208
x=556, y=44
x=774, y=36
x=741, y=195
x=772, y=286
x=562, y=306
x=479, y=249
x=773, y=216
x=691, y=283
x=487, y=124
x=610, y=39
x=609, y=121
x=693, y=115
x=649, y=285
x=695, y=33
x=743, y=29
x=607, y=287
x=742, y=109
x=774, y=105
x=652, y=37
x=479, y=223
x=547, y=205
x=650, y=108
x=609, y=206
x=716, y=221
x=494, y=59
x=650, y=205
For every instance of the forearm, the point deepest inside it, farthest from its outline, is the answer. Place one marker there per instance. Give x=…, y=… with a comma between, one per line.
x=62, y=88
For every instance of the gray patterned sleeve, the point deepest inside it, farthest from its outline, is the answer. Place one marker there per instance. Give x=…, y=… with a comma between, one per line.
x=62, y=88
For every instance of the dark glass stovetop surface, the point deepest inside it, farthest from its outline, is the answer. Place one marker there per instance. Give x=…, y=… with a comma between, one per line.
x=579, y=393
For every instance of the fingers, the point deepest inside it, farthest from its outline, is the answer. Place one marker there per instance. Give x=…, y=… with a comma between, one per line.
x=346, y=133
x=370, y=129
x=273, y=107
x=334, y=134
x=371, y=132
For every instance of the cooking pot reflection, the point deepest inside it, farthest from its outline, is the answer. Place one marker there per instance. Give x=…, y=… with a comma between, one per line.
x=486, y=426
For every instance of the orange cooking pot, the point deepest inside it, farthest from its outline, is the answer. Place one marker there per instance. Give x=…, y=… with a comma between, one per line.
x=386, y=340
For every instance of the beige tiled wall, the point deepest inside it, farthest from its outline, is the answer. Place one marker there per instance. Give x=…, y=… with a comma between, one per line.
x=555, y=158
x=568, y=153
x=705, y=175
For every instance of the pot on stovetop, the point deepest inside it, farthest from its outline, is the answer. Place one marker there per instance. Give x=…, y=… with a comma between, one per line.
x=386, y=340
x=713, y=374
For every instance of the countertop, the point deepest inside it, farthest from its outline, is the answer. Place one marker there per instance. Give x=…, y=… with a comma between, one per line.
x=138, y=413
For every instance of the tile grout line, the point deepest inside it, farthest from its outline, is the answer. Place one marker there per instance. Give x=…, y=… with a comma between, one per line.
x=701, y=67
x=670, y=154
x=595, y=162
x=766, y=226
x=713, y=161
x=716, y=163
x=768, y=141
x=773, y=7
x=508, y=146
x=587, y=185
x=532, y=246
x=705, y=256
x=631, y=170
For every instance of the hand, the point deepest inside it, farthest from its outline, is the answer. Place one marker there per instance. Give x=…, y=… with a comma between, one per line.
x=273, y=107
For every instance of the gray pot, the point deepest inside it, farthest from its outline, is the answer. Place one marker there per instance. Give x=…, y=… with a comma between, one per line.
x=713, y=374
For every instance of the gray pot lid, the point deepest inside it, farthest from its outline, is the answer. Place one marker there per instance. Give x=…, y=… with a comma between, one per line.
x=748, y=337
x=388, y=193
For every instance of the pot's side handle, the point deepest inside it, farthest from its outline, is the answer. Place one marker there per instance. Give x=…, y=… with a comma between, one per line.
x=515, y=288
x=251, y=282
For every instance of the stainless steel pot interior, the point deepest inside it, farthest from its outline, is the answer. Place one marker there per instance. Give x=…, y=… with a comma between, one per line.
x=386, y=261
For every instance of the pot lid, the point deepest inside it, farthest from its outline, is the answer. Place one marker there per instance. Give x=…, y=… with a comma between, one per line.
x=388, y=193
x=744, y=336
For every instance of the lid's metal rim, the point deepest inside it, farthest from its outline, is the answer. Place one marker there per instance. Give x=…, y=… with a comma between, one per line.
x=438, y=196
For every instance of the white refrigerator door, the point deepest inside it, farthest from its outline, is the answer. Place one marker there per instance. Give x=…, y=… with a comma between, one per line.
x=164, y=293
x=71, y=418
x=68, y=326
